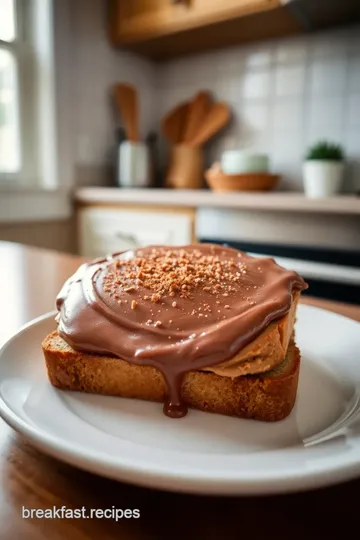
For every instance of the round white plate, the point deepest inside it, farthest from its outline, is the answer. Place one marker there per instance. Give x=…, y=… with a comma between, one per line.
x=133, y=441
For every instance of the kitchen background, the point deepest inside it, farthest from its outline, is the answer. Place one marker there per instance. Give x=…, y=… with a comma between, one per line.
x=285, y=94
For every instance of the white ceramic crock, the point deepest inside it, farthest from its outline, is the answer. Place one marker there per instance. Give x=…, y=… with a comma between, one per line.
x=243, y=162
x=134, y=165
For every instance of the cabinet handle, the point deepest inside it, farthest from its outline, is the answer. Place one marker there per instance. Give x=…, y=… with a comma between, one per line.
x=132, y=239
x=127, y=237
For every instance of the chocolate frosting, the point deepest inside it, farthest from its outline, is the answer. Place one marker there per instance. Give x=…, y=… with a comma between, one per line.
x=176, y=309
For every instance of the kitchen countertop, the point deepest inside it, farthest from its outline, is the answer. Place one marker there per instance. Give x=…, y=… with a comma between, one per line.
x=278, y=201
x=30, y=280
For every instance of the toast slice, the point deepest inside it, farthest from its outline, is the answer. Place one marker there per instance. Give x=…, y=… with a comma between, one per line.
x=268, y=397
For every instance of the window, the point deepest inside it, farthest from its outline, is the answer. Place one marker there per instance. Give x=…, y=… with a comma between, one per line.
x=10, y=153
x=27, y=102
x=32, y=135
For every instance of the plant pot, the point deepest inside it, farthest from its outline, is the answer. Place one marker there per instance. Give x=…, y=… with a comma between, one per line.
x=322, y=178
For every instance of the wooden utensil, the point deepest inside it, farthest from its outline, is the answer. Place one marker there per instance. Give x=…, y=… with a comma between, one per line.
x=174, y=122
x=126, y=100
x=217, y=118
x=198, y=111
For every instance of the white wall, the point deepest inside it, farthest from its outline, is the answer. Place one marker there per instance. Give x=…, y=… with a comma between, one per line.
x=285, y=94
x=89, y=66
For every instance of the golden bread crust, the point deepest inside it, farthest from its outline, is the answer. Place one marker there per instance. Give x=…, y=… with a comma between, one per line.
x=267, y=397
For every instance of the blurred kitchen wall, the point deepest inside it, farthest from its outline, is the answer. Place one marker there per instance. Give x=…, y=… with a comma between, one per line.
x=94, y=67
x=285, y=94
x=85, y=68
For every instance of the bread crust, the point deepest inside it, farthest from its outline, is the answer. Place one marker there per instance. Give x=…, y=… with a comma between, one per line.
x=268, y=397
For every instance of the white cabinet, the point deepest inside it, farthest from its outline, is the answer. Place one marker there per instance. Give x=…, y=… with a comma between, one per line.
x=103, y=230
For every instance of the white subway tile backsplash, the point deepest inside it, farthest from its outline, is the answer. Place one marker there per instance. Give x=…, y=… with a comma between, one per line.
x=291, y=50
x=325, y=112
x=286, y=159
x=228, y=63
x=352, y=147
x=287, y=115
x=354, y=42
x=229, y=89
x=354, y=73
x=286, y=94
x=330, y=44
x=287, y=147
x=256, y=141
x=328, y=77
x=257, y=56
x=253, y=116
x=353, y=110
x=95, y=67
x=289, y=80
x=256, y=85
x=352, y=142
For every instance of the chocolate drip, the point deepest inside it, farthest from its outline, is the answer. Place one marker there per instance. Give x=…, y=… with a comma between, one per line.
x=176, y=309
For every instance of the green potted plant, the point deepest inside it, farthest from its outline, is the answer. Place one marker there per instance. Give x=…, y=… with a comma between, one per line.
x=323, y=170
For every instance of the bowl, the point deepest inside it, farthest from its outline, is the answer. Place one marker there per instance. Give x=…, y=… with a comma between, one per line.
x=221, y=182
x=240, y=162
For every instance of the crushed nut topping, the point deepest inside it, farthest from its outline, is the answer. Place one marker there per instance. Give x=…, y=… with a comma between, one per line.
x=160, y=273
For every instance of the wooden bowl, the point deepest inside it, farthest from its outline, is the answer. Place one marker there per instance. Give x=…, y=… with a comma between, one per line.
x=218, y=181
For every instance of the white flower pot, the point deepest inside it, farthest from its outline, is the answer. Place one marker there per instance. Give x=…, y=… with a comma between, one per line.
x=322, y=178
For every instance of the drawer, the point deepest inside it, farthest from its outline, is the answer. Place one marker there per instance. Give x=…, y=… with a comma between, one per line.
x=103, y=231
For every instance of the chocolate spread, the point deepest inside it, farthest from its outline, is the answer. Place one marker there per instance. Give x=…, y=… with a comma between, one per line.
x=176, y=309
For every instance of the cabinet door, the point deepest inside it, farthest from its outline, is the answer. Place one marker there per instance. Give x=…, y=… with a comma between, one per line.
x=103, y=231
x=143, y=19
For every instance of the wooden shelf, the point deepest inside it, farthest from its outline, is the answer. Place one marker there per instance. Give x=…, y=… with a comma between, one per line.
x=164, y=31
x=161, y=29
x=273, y=201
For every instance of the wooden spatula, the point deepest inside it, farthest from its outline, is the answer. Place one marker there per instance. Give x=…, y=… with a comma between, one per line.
x=127, y=104
x=217, y=118
x=199, y=109
x=173, y=123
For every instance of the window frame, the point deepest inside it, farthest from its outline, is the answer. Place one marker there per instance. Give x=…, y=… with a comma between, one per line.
x=45, y=195
x=32, y=49
x=19, y=49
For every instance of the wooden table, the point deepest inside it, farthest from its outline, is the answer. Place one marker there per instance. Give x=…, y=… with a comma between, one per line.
x=30, y=280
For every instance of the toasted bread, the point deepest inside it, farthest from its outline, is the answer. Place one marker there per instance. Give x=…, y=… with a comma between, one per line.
x=268, y=396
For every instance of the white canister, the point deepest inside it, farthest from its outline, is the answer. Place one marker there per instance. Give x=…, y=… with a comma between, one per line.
x=322, y=178
x=134, y=165
x=244, y=162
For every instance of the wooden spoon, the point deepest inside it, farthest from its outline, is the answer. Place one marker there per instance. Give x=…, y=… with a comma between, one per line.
x=199, y=109
x=217, y=118
x=127, y=104
x=173, y=123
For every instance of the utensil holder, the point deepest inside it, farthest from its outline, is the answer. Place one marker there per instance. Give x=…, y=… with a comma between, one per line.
x=186, y=168
x=133, y=165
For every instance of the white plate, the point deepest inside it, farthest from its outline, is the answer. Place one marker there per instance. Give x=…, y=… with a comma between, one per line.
x=133, y=441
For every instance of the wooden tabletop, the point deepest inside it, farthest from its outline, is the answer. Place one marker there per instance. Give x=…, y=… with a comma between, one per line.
x=29, y=282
